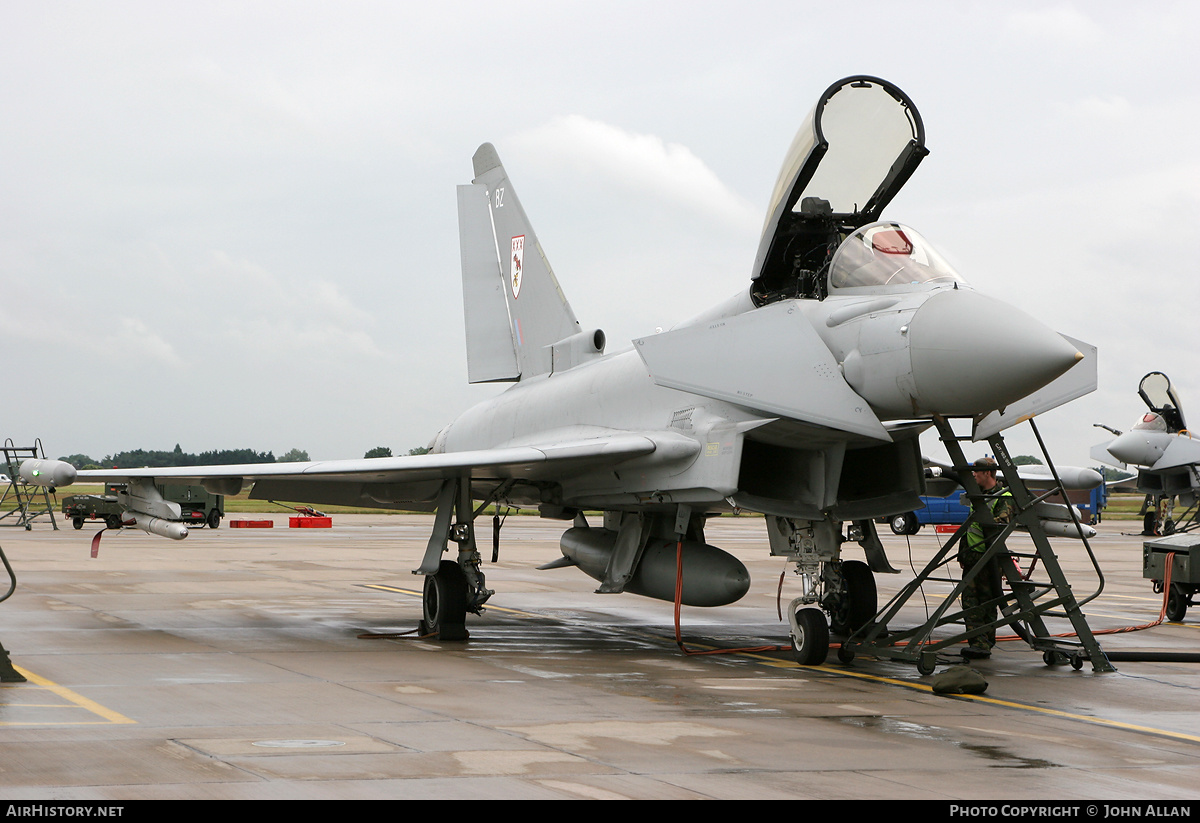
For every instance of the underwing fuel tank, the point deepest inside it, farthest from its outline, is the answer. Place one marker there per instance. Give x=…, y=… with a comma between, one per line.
x=711, y=576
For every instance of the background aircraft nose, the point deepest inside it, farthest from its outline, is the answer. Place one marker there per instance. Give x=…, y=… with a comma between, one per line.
x=972, y=354
x=1139, y=448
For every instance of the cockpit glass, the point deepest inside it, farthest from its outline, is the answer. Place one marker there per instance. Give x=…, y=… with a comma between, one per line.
x=888, y=254
x=1151, y=422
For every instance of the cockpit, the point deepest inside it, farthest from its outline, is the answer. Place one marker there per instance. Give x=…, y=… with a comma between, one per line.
x=850, y=157
x=1151, y=422
x=888, y=254
x=1158, y=394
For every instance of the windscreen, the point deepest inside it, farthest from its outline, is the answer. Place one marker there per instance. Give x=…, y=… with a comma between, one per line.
x=888, y=254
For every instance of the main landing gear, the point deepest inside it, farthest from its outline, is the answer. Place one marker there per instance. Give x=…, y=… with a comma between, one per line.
x=852, y=603
x=444, y=603
x=452, y=588
x=842, y=589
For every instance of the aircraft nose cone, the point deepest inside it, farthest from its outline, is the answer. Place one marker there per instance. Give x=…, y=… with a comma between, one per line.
x=1137, y=448
x=972, y=354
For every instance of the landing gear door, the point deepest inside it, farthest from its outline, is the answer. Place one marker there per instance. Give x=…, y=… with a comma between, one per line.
x=854, y=152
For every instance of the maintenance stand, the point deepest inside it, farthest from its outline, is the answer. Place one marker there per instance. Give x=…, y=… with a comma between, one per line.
x=1022, y=606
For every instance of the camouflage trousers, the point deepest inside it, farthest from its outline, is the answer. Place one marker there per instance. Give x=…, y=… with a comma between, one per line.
x=984, y=587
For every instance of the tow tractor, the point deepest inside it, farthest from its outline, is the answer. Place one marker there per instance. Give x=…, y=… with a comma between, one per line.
x=198, y=507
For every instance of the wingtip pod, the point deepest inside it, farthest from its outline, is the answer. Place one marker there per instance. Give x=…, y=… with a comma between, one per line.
x=1075, y=478
x=1083, y=479
x=51, y=474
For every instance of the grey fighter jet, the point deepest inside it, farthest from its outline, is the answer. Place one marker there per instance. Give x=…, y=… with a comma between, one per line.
x=1166, y=455
x=800, y=397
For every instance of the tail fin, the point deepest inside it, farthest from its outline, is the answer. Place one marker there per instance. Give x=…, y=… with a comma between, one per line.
x=515, y=310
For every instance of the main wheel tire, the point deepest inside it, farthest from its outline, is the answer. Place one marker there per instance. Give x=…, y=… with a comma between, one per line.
x=214, y=519
x=810, y=643
x=1148, y=524
x=1177, y=603
x=905, y=524
x=1168, y=527
x=444, y=602
x=862, y=599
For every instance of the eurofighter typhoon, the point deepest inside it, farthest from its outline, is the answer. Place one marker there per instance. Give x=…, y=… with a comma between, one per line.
x=801, y=396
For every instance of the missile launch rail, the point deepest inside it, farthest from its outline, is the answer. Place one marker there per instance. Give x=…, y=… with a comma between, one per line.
x=1024, y=602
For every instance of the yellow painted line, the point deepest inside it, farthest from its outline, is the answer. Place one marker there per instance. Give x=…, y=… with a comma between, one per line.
x=891, y=681
x=1010, y=704
x=78, y=700
x=921, y=687
x=1157, y=598
x=414, y=593
x=396, y=589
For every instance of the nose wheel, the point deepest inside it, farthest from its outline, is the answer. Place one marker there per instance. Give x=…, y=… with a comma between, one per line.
x=810, y=636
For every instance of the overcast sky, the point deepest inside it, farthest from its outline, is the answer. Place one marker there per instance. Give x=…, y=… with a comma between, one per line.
x=233, y=225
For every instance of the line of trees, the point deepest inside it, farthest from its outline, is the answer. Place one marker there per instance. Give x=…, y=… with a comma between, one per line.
x=385, y=451
x=137, y=458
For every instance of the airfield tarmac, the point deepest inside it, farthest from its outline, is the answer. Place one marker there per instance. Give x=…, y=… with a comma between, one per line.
x=233, y=665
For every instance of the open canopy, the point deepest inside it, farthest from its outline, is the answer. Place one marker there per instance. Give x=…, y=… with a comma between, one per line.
x=1155, y=389
x=853, y=153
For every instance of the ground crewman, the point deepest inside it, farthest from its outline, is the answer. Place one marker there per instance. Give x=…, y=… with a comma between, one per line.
x=986, y=584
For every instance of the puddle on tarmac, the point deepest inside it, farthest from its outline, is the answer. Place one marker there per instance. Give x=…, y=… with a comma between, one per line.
x=997, y=755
